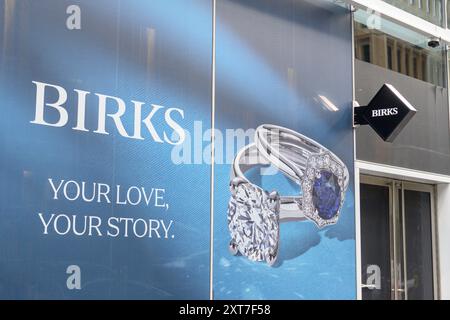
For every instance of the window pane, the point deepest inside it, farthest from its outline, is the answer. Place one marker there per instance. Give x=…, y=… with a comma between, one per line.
x=419, y=259
x=448, y=13
x=430, y=10
x=388, y=45
x=423, y=143
x=375, y=247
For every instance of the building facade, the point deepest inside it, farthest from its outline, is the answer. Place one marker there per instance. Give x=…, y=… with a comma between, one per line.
x=390, y=51
x=207, y=149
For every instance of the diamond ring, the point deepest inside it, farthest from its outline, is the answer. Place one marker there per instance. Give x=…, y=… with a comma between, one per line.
x=254, y=214
x=323, y=177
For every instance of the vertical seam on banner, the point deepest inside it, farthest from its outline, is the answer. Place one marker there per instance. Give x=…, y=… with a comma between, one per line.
x=213, y=108
x=356, y=171
x=117, y=45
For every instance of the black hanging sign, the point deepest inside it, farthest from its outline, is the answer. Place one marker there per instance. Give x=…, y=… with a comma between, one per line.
x=387, y=113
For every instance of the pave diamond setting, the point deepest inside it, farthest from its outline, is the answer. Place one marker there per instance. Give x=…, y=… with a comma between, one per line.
x=253, y=222
x=323, y=189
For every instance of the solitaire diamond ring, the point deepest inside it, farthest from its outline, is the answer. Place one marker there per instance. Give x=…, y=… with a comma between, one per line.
x=254, y=214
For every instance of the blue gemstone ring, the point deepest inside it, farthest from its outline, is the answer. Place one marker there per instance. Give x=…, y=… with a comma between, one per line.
x=323, y=177
x=254, y=214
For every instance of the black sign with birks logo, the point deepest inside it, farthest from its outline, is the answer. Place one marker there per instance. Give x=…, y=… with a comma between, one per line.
x=387, y=113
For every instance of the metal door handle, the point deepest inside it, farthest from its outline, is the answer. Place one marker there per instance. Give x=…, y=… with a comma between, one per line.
x=368, y=286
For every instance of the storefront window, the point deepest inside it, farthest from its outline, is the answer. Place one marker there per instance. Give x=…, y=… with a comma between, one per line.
x=430, y=10
x=389, y=53
x=448, y=13
x=385, y=44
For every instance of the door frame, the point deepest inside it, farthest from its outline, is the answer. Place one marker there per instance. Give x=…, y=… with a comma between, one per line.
x=409, y=177
x=397, y=233
x=415, y=186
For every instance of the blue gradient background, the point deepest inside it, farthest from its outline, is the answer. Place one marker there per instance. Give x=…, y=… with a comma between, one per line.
x=258, y=41
x=109, y=55
x=273, y=60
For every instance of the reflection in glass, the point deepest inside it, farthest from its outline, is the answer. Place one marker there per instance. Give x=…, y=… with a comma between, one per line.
x=405, y=53
x=375, y=246
x=418, y=245
x=448, y=14
x=430, y=10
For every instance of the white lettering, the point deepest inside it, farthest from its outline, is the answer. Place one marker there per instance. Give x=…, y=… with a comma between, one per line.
x=154, y=228
x=40, y=104
x=145, y=228
x=111, y=225
x=159, y=197
x=83, y=193
x=55, y=224
x=46, y=224
x=121, y=108
x=103, y=193
x=139, y=196
x=118, y=197
x=74, y=280
x=149, y=125
x=175, y=126
x=77, y=192
x=73, y=22
x=94, y=226
x=81, y=110
x=384, y=112
x=147, y=198
x=166, y=228
x=176, y=136
x=55, y=190
x=74, y=220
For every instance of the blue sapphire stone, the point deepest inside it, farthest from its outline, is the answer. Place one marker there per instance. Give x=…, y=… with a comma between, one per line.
x=326, y=195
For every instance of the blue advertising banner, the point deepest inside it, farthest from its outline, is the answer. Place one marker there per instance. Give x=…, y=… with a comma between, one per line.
x=284, y=83
x=95, y=95
x=109, y=154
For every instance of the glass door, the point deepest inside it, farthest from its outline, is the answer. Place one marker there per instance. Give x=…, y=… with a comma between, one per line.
x=376, y=201
x=397, y=223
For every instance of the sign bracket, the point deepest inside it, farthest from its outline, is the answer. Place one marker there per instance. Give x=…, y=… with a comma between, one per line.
x=358, y=118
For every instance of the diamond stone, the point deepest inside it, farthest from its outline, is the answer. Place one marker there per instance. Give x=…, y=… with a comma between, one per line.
x=253, y=222
x=326, y=195
x=307, y=186
x=333, y=167
x=310, y=173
